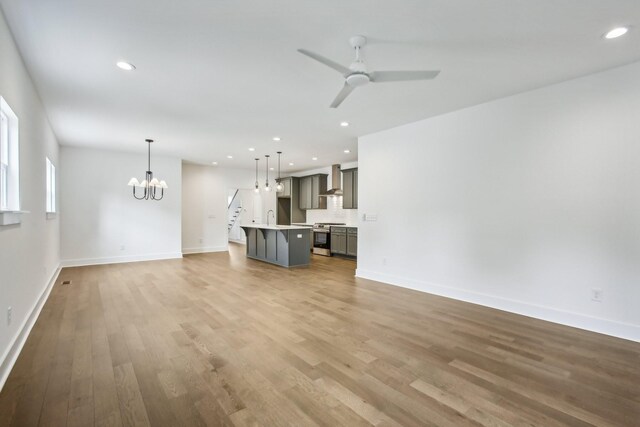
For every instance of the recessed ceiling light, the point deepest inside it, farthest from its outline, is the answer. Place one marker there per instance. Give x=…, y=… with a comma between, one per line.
x=616, y=32
x=347, y=151
x=276, y=138
x=314, y=158
x=252, y=149
x=229, y=157
x=125, y=66
x=344, y=124
x=271, y=169
x=214, y=163
x=290, y=163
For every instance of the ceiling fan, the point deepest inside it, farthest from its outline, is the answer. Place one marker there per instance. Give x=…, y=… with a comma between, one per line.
x=357, y=75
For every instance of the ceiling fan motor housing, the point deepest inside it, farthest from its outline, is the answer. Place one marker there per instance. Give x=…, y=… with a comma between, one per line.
x=357, y=79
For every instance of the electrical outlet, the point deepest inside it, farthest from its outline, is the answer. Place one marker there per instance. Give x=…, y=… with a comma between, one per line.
x=200, y=240
x=9, y=313
x=384, y=261
x=596, y=294
x=122, y=247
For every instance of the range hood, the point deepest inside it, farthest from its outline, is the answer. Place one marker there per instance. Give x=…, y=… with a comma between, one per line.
x=336, y=178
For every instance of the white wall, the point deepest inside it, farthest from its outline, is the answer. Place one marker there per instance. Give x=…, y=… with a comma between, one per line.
x=525, y=203
x=102, y=222
x=204, y=205
x=29, y=252
x=334, y=211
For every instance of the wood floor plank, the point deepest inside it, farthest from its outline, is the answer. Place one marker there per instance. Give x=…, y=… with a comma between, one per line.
x=132, y=407
x=220, y=340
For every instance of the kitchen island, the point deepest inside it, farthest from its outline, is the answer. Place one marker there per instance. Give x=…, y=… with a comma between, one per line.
x=284, y=245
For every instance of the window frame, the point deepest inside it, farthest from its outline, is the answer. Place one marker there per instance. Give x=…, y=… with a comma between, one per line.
x=10, y=159
x=51, y=196
x=4, y=161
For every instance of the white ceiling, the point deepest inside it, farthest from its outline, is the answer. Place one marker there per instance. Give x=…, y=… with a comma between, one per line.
x=215, y=77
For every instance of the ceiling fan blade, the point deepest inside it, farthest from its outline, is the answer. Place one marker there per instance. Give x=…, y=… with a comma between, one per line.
x=346, y=90
x=329, y=63
x=400, y=76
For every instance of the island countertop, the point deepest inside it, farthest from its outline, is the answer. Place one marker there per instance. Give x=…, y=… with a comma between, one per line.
x=275, y=227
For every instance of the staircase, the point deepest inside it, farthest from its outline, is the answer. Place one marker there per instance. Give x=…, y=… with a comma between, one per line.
x=234, y=210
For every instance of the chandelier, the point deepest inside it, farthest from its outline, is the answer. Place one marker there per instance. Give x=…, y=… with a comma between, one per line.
x=149, y=184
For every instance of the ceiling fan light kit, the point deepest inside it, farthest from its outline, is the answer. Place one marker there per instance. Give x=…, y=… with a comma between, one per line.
x=357, y=75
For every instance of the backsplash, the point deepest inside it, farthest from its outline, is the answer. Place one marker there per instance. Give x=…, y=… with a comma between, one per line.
x=333, y=213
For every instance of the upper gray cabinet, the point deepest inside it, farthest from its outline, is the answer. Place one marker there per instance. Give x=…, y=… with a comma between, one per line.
x=305, y=192
x=286, y=190
x=310, y=189
x=350, y=188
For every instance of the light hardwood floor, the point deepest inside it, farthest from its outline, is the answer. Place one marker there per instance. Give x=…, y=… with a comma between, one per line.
x=216, y=339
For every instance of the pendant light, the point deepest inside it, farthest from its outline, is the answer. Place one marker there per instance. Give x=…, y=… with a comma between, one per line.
x=279, y=186
x=149, y=184
x=266, y=184
x=257, y=189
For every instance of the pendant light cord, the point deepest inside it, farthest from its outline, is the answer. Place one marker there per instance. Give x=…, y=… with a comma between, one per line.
x=257, y=173
x=279, y=153
x=149, y=141
x=267, y=182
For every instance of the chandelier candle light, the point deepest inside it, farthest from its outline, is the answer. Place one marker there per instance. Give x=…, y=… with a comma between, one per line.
x=149, y=184
x=279, y=186
x=266, y=184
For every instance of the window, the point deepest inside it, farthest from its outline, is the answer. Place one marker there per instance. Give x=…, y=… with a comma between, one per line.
x=51, y=187
x=4, y=161
x=9, y=161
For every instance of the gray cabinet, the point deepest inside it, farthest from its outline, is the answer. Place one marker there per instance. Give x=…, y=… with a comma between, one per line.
x=310, y=189
x=352, y=241
x=350, y=188
x=355, y=189
x=344, y=241
x=285, y=247
x=305, y=192
x=339, y=240
x=286, y=190
x=289, y=211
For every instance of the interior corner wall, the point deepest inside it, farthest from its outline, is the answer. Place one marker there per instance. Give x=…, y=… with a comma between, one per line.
x=29, y=252
x=204, y=209
x=527, y=204
x=204, y=205
x=102, y=222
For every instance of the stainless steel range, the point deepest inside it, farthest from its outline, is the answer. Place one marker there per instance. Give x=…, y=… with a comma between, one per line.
x=322, y=237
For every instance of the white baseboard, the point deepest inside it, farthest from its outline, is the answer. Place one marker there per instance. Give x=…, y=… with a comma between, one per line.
x=617, y=329
x=119, y=259
x=206, y=249
x=13, y=351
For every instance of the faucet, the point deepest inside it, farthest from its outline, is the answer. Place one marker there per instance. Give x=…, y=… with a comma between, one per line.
x=270, y=212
